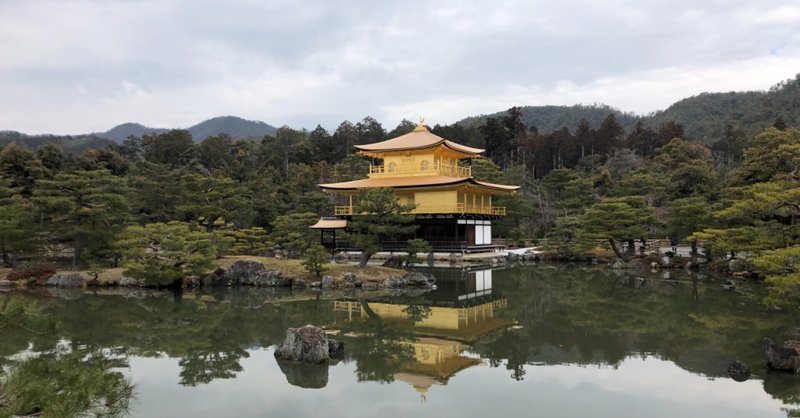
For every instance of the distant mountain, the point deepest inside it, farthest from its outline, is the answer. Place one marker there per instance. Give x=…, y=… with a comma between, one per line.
x=73, y=144
x=550, y=118
x=234, y=126
x=121, y=132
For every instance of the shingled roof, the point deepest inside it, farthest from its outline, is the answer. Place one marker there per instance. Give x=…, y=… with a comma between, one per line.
x=410, y=182
x=419, y=138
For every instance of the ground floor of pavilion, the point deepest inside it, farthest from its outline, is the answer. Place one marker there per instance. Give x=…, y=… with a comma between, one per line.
x=464, y=233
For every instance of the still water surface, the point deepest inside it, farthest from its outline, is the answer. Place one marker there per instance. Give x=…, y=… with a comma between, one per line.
x=527, y=341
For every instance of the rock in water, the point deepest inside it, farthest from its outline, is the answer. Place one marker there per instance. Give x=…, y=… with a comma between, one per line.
x=308, y=344
x=420, y=279
x=306, y=376
x=247, y=272
x=738, y=371
x=783, y=358
x=394, y=282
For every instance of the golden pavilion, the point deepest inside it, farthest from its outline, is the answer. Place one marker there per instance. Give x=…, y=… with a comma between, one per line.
x=453, y=210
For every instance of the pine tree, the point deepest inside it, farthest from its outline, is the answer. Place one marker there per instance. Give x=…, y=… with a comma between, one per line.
x=165, y=254
x=85, y=207
x=380, y=217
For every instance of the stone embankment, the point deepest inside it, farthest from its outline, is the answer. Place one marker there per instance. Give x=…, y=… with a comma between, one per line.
x=242, y=272
x=43, y=277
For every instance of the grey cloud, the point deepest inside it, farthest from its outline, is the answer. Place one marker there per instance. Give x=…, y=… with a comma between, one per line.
x=316, y=61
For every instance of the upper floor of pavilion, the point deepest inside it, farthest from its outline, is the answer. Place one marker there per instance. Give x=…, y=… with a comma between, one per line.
x=419, y=153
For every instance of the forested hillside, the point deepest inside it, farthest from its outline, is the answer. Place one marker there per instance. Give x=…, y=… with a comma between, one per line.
x=68, y=143
x=120, y=132
x=552, y=118
x=706, y=117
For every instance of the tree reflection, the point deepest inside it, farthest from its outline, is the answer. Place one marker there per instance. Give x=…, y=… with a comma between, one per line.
x=595, y=316
x=380, y=350
x=200, y=367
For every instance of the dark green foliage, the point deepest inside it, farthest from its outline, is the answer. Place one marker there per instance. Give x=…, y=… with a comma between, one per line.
x=173, y=148
x=687, y=215
x=292, y=232
x=17, y=224
x=380, y=217
x=315, y=259
x=688, y=169
x=20, y=167
x=250, y=241
x=211, y=201
x=87, y=208
x=70, y=144
x=618, y=219
x=155, y=192
x=552, y=118
x=414, y=247
x=165, y=254
x=772, y=155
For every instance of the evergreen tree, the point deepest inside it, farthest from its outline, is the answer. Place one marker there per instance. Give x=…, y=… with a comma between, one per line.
x=165, y=254
x=293, y=233
x=315, y=259
x=686, y=216
x=173, y=148
x=17, y=225
x=618, y=219
x=381, y=218
x=86, y=207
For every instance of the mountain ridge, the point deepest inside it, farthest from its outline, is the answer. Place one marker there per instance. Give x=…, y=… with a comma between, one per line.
x=233, y=126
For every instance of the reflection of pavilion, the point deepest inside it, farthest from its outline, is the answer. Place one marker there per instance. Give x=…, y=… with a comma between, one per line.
x=460, y=312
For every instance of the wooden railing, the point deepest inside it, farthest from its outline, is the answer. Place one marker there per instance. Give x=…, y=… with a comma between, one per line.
x=458, y=208
x=342, y=210
x=452, y=170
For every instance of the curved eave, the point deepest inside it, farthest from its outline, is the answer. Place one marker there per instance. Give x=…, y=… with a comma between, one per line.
x=395, y=183
x=418, y=139
x=500, y=187
x=414, y=182
x=330, y=224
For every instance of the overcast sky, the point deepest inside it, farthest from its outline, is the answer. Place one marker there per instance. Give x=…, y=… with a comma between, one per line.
x=69, y=67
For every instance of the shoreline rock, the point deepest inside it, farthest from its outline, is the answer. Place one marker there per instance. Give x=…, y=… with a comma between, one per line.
x=66, y=280
x=786, y=358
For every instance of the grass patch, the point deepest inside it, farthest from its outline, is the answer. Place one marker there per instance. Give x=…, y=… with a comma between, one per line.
x=294, y=268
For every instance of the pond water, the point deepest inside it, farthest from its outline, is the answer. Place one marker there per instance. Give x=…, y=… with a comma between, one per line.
x=544, y=340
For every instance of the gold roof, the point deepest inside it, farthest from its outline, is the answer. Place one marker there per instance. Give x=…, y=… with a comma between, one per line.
x=410, y=182
x=323, y=223
x=419, y=138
